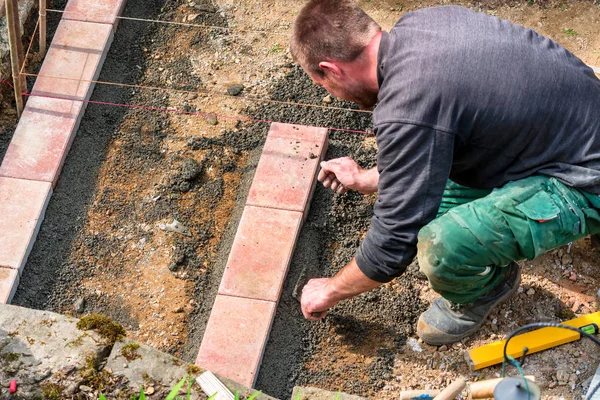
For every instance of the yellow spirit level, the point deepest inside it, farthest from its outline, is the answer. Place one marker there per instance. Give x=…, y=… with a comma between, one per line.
x=537, y=340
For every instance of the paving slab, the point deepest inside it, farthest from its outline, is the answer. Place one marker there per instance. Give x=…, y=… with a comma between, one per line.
x=76, y=55
x=235, y=338
x=48, y=125
x=99, y=11
x=22, y=207
x=42, y=140
x=287, y=168
x=261, y=253
x=9, y=280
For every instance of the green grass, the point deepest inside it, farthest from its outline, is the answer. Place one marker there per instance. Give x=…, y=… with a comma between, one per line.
x=570, y=32
x=275, y=49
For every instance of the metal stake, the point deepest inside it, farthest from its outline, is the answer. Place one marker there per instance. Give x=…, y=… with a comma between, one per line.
x=16, y=50
x=42, y=13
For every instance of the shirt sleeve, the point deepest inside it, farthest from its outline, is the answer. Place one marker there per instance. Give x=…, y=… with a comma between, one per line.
x=414, y=164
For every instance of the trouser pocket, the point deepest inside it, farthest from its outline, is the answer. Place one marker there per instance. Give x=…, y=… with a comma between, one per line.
x=549, y=216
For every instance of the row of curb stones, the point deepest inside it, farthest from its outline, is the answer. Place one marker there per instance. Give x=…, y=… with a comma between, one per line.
x=38, y=149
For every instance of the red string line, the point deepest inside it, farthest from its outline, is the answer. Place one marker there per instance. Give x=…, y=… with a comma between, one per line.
x=176, y=111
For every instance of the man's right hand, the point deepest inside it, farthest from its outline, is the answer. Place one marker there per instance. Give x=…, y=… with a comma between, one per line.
x=342, y=174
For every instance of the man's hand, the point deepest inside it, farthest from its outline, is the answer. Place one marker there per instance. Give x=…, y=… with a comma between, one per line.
x=319, y=295
x=342, y=174
x=317, y=299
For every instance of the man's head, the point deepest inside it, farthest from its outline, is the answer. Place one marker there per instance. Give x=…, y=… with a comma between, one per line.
x=329, y=41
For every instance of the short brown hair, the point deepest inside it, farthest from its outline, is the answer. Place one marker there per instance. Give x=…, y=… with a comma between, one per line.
x=330, y=30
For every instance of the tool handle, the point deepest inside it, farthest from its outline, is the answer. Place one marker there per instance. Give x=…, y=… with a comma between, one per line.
x=485, y=389
x=452, y=391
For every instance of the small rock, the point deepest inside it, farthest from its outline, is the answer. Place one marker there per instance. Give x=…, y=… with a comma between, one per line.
x=414, y=345
x=566, y=259
x=573, y=276
x=530, y=292
x=443, y=348
x=192, y=96
x=175, y=227
x=185, y=187
x=173, y=267
x=211, y=120
x=520, y=289
x=312, y=155
x=85, y=388
x=562, y=377
x=79, y=304
x=235, y=89
x=149, y=390
x=327, y=99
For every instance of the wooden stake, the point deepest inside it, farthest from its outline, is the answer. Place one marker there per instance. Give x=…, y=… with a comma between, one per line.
x=42, y=13
x=14, y=39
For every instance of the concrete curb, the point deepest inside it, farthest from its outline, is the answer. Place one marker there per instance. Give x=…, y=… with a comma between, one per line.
x=277, y=205
x=43, y=137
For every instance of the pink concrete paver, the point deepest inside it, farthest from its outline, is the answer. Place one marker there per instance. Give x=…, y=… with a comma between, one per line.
x=42, y=140
x=100, y=11
x=298, y=132
x=22, y=207
x=261, y=253
x=235, y=338
x=75, y=57
x=48, y=125
x=9, y=280
x=287, y=168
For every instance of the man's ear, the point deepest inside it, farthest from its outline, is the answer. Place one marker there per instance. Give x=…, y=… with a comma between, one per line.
x=329, y=67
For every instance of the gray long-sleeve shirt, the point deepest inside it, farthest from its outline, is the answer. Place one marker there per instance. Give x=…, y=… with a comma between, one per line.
x=478, y=100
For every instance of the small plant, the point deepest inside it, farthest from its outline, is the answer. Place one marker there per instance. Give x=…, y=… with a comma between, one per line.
x=570, y=32
x=52, y=391
x=275, y=49
x=129, y=351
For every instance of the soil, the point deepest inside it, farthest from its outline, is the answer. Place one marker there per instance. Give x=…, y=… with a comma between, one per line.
x=106, y=245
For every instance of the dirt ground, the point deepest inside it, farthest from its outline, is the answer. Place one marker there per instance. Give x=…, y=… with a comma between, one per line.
x=106, y=244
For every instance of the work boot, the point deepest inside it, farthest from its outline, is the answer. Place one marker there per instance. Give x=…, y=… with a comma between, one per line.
x=445, y=322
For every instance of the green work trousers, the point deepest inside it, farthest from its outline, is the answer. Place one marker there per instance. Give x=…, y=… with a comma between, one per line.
x=477, y=233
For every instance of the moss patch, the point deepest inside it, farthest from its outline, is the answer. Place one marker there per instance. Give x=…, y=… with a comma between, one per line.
x=193, y=369
x=102, y=324
x=129, y=351
x=52, y=391
x=9, y=357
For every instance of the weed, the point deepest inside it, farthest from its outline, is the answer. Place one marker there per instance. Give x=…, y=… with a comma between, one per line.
x=52, y=391
x=102, y=324
x=129, y=351
x=275, y=49
x=193, y=369
x=92, y=377
x=570, y=32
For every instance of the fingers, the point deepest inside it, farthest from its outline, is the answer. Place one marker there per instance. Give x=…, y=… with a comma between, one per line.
x=314, y=316
x=328, y=177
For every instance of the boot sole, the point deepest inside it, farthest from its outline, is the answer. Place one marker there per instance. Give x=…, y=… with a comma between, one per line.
x=457, y=338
